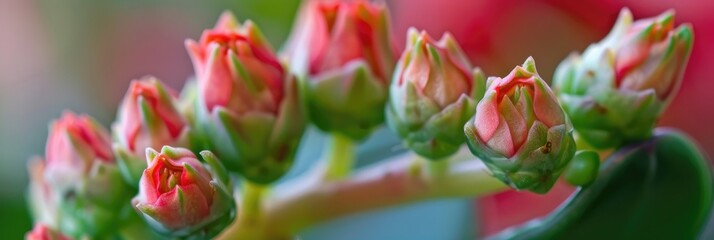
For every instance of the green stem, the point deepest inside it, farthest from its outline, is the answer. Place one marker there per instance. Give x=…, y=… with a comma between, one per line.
x=340, y=157
x=251, y=203
x=437, y=167
x=403, y=179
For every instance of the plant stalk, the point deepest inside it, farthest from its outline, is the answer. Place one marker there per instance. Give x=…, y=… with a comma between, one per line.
x=340, y=157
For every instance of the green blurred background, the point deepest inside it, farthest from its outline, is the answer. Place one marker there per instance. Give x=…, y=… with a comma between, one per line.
x=81, y=55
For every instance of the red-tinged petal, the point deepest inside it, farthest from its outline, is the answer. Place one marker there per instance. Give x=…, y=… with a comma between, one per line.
x=148, y=96
x=77, y=141
x=193, y=175
x=197, y=55
x=345, y=44
x=227, y=22
x=318, y=29
x=628, y=59
x=216, y=85
x=486, y=119
x=338, y=33
x=147, y=191
x=175, y=189
x=501, y=141
x=418, y=70
x=546, y=106
x=516, y=123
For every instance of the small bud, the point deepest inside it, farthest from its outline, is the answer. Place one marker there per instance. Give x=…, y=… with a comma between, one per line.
x=343, y=52
x=147, y=118
x=583, y=169
x=247, y=102
x=180, y=197
x=615, y=92
x=432, y=95
x=85, y=182
x=520, y=131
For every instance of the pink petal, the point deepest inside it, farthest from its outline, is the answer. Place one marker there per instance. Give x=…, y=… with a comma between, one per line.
x=486, y=120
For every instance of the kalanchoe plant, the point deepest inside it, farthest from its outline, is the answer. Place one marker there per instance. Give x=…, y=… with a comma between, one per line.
x=343, y=52
x=180, y=197
x=43, y=232
x=247, y=103
x=147, y=118
x=616, y=90
x=432, y=95
x=520, y=131
x=90, y=194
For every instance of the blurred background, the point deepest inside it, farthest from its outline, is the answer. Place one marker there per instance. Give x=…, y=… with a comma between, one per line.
x=81, y=55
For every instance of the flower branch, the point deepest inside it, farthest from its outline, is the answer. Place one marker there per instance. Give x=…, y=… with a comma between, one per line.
x=399, y=180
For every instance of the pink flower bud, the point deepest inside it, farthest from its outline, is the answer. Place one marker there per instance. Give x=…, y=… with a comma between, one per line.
x=520, y=131
x=148, y=117
x=338, y=32
x=649, y=53
x=86, y=186
x=179, y=193
x=438, y=70
x=74, y=144
x=432, y=95
x=247, y=105
x=236, y=68
x=616, y=90
x=42, y=232
x=343, y=51
x=511, y=107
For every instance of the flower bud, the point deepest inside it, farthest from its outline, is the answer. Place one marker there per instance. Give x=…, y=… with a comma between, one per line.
x=81, y=171
x=180, y=197
x=147, y=118
x=343, y=52
x=520, y=132
x=42, y=232
x=247, y=102
x=616, y=90
x=432, y=95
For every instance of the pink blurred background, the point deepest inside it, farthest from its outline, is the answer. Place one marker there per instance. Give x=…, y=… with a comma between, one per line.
x=71, y=54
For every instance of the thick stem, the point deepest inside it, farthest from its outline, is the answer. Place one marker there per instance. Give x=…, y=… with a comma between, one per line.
x=437, y=167
x=250, y=213
x=251, y=203
x=401, y=180
x=340, y=157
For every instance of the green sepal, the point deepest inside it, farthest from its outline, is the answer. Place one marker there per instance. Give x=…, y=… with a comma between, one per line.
x=349, y=101
x=98, y=206
x=260, y=146
x=216, y=167
x=479, y=84
x=537, y=164
x=130, y=166
x=439, y=135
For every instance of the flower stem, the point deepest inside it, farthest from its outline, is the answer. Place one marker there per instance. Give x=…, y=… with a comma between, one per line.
x=251, y=204
x=340, y=157
x=437, y=167
x=402, y=179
